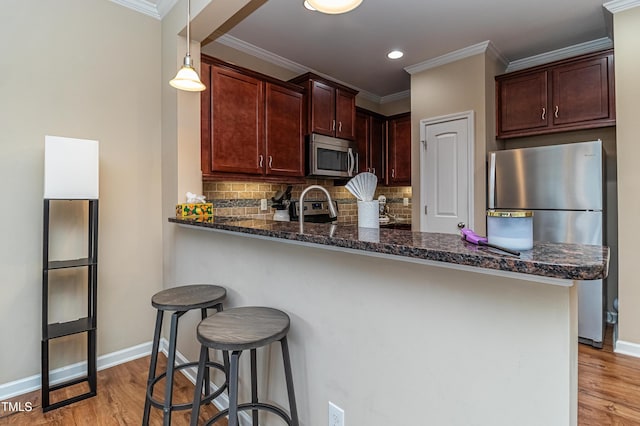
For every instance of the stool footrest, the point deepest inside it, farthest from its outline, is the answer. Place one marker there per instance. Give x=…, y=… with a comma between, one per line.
x=188, y=405
x=253, y=406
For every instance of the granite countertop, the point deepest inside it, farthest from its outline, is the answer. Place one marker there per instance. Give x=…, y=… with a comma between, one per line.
x=554, y=260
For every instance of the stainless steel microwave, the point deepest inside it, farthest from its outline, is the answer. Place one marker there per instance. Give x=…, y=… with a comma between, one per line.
x=331, y=157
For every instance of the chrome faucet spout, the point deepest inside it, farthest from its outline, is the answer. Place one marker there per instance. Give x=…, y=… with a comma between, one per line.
x=332, y=209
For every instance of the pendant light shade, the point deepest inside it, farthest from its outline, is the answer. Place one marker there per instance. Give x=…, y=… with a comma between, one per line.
x=187, y=78
x=334, y=7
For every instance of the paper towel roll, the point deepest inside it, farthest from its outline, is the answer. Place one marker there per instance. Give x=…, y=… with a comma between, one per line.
x=368, y=214
x=369, y=234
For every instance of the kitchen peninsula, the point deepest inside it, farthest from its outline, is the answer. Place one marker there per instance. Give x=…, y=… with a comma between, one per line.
x=400, y=327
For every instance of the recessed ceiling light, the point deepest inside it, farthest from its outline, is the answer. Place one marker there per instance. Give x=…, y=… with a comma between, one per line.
x=395, y=54
x=308, y=6
x=334, y=7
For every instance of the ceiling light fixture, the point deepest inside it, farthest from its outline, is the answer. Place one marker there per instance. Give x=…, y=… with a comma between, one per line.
x=308, y=6
x=395, y=54
x=334, y=7
x=187, y=77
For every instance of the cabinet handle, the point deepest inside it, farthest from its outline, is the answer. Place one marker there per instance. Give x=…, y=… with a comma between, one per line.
x=261, y=160
x=270, y=161
x=333, y=125
x=544, y=112
x=393, y=173
x=555, y=113
x=340, y=127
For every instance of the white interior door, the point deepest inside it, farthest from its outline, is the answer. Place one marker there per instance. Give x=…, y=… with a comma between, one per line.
x=446, y=175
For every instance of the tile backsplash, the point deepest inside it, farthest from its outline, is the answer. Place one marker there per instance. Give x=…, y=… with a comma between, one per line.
x=243, y=198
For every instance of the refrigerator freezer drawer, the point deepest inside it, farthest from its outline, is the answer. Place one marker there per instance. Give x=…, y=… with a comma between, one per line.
x=561, y=226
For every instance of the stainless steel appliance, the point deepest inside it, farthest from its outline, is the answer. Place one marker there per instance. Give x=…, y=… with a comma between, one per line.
x=314, y=211
x=331, y=157
x=563, y=185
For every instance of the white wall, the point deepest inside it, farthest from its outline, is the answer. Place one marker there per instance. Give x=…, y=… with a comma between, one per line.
x=396, y=343
x=626, y=26
x=83, y=69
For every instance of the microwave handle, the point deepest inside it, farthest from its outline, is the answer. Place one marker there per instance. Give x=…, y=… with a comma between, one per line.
x=351, y=162
x=357, y=162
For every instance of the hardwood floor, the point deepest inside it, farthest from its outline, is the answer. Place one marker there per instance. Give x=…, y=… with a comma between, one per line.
x=120, y=401
x=608, y=395
x=608, y=386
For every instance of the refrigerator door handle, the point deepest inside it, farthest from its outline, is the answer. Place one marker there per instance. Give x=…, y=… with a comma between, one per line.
x=492, y=180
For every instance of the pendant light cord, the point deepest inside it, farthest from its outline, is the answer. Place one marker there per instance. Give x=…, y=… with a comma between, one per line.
x=188, y=25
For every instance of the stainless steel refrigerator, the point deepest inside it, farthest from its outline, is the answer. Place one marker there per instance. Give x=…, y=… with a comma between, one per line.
x=563, y=186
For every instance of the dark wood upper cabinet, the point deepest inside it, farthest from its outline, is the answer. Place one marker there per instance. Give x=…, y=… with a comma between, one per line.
x=331, y=107
x=581, y=91
x=251, y=124
x=237, y=122
x=572, y=94
x=345, y=114
x=284, y=139
x=399, y=149
x=524, y=102
x=370, y=135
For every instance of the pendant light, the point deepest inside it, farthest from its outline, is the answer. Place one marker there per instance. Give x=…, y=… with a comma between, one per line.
x=334, y=7
x=187, y=77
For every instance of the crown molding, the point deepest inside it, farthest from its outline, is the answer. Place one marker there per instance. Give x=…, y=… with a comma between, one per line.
x=165, y=6
x=260, y=53
x=616, y=6
x=265, y=55
x=556, y=55
x=142, y=6
x=395, y=97
x=465, y=52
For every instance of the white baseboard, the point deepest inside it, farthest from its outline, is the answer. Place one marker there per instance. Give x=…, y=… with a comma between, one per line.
x=70, y=372
x=627, y=348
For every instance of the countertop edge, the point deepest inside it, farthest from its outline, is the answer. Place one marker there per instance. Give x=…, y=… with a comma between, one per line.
x=550, y=273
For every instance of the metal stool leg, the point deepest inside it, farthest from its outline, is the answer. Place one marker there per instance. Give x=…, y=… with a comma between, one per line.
x=225, y=356
x=289, y=377
x=197, y=396
x=254, y=387
x=233, y=388
x=207, y=382
x=152, y=368
x=171, y=360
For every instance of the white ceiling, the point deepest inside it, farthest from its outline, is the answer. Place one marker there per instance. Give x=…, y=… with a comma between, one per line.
x=352, y=47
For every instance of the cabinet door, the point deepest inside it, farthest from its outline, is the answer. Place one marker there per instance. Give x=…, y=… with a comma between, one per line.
x=345, y=115
x=284, y=138
x=362, y=138
x=522, y=102
x=376, y=142
x=237, y=122
x=323, y=100
x=581, y=91
x=399, y=167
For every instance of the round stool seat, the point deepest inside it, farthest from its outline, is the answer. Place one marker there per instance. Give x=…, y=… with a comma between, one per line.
x=187, y=297
x=243, y=328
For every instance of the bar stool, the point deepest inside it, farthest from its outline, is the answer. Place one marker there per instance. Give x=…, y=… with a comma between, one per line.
x=236, y=330
x=180, y=300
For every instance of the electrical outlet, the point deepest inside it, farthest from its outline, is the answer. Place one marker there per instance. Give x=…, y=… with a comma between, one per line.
x=263, y=204
x=336, y=415
x=405, y=202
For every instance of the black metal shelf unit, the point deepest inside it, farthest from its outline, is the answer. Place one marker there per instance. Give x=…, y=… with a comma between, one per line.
x=82, y=325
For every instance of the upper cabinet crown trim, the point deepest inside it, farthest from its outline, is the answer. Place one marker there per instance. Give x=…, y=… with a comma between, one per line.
x=558, y=54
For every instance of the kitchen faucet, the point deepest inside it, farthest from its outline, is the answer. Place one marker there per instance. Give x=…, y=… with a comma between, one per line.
x=332, y=209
